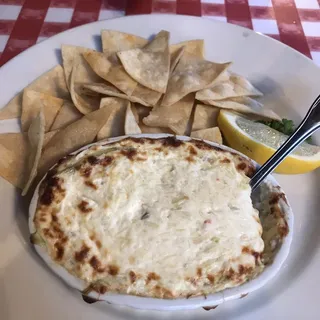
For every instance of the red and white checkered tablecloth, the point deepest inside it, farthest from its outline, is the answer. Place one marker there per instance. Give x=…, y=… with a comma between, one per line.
x=26, y=22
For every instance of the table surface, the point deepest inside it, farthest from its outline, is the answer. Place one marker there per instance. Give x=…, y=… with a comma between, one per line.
x=24, y=23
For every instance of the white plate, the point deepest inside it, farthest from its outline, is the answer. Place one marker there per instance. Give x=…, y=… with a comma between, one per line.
x=290, y=82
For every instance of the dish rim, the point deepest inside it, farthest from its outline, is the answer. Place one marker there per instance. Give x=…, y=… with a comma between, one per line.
x=149, y=303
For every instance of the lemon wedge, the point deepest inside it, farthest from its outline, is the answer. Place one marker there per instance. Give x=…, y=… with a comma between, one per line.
x=259, y=142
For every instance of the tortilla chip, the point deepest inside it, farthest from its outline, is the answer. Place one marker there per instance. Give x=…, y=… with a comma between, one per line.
x=175, y=117
x=210, y=134
x=48, y=136
x=88, y=92
x=73, y=137
x=51, y=82
x=14, y=150
x=205, y=117
x=114, y=41
x=98, y=61
x=148, y=96
x=67, y=114
x=120, y=79
x=175, y=58
x=68, y=54
x=159, y=43
x=110, y=69
x=84, y=103
x=107, y=90
x=139, y=111
x=244, y=105
x=195, y=47
x=191, y=74
x=224, y=76
x=147, y=129
x=73, y=55
x=150, y=65
x=130, y=124
x=114, y=126
x=32, y=102
x=236, y=86
x=78, y=71
x=36, y=141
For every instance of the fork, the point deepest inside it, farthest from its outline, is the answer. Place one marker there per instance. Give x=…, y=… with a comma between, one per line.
x=307, y=127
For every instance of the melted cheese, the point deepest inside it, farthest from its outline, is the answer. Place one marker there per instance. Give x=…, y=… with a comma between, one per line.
x=181, y=218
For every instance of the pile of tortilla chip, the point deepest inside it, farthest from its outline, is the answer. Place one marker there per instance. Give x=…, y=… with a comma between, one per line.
x=134, y=86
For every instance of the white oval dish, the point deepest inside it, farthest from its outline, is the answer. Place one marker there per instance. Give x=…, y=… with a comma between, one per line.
x=175, y=304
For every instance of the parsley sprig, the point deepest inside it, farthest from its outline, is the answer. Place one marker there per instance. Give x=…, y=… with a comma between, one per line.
x=285, y=126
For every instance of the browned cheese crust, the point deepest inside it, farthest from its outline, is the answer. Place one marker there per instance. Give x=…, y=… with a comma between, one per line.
x=110, y=277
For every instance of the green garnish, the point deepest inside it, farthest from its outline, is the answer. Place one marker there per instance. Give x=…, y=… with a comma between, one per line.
x=35, y=238
x=285, y=126
x=215, y=239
